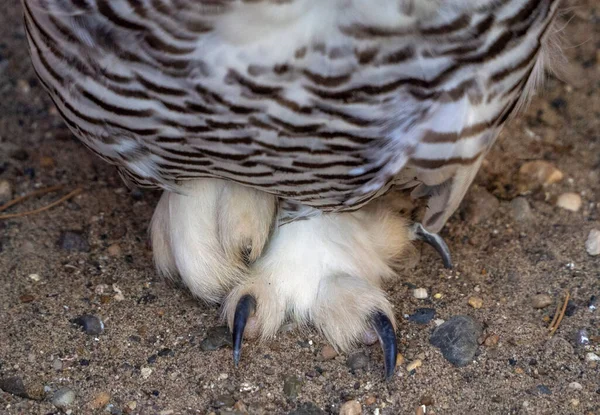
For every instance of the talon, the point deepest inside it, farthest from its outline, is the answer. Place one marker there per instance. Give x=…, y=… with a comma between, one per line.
x=244, y=308
x=387, y=337
x=435, y=241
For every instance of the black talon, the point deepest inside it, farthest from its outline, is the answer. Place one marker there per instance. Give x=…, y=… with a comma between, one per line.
x=244, y=308
x=387, y=337
x=436, y=242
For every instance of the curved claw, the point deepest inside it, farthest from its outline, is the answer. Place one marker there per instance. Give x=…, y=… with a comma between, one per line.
x=244, y=308
x=436, y=242
x=387, y=337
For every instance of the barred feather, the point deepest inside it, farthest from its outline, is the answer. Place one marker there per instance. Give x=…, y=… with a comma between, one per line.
x=324, y=104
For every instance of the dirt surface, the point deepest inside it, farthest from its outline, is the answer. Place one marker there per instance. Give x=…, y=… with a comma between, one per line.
x=64, y=263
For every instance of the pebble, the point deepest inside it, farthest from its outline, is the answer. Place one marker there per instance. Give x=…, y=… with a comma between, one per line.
x=481, y=205
x=114, y=250
x=90, y=324
x=357, y=361
x=475, y=302
x=521, y=210
x=420, y=410
x=422, y=315
x=427, y=400
x=544, y=390
x=569, y=201
x=73, y=241
x=328, y=352
x=100, y=401
x=457, y=339
x=541, y=301
x=592, y=357
x=146, y=372
x=57, y=365
x=592, y=244
x=292, y=385
x=534, y=174
x=351, y=408
x=414, y=365
x=6, y=191
x=491, y=340
x=63, y=398
x=35, y=277
x=575, y=386
x=224, y=401
x=216, y=338
x=130, y=407
x=307, y=408
x=14, y=385
x=370, y=400
x=574, y=402
x=420, y=293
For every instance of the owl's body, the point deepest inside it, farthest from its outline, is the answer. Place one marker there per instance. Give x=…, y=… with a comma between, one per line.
x=319, y=106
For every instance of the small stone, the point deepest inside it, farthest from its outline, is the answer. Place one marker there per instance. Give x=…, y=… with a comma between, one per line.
x=592, y=357
x=292, y=386
x=307, y=408
x=457, y=339
x=351, y=408
x=6, y=191
x=399, y=360
x=130, y=407
x=100, y=400
x=114, y=250
x=14, y=385
x=422, y=315
x=63, y=398
x=57, y=365
x=26, y=298
x=35, y=277
x=73, y=241
x=544, y=390
x=47, y=162
x=20, y=155
x=575, y=386
x=574, y=402
x=541, y=301
x=146, y=372
x=521, y=210
x=569, y=201
x=216, y=338
x=224, y=401
x=420, y=410
x=90, y=324
x=592, y=244
x=370, y=400
x=118, y=293
x=519, y=371
x=475, y=302
x=427, y=400
x=328, y=352
x=480, y=205
x=357, y=361
x=535, y=174
x=414, y=365
x=437, y=296
x=491, y=341
x=420, y=293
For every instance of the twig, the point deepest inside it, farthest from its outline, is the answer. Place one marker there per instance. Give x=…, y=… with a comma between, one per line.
x=558, y=315
x=32, y=194
x=43, y=208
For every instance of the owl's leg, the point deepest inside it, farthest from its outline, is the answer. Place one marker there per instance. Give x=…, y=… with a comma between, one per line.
x=326, y=271
x=209, y=233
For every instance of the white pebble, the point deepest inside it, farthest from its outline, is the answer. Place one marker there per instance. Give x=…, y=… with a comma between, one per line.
x=576, y=386
x=569, y=201
x=6, y=191
x=592, y=357
x=35, y=277
x=592, y=245
x=146, y=372
x=439, y=321
x=420, y=293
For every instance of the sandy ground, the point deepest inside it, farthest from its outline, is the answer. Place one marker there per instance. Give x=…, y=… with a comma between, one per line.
x=150, y=358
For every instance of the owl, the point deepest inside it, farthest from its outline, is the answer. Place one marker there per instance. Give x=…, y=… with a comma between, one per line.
x=285, y=134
